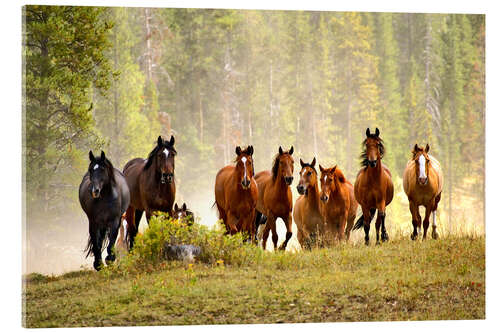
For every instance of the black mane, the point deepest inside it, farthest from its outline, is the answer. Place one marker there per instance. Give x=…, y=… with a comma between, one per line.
x=155, y=151
x=381, y=148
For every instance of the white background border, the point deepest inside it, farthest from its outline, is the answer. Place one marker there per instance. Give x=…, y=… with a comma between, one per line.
x=10, y=175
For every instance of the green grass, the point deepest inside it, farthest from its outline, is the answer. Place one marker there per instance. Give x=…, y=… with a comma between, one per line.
x=400, y=280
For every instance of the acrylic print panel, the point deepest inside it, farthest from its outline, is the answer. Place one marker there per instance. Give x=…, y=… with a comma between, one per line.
x=227, y=130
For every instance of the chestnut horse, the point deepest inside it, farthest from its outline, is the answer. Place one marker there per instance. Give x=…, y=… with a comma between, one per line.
x=275, y=196
x=308, y=207
x=340, y=206
x=236, y=194
x=152, y=184
x=423, y=183
x=373, y=188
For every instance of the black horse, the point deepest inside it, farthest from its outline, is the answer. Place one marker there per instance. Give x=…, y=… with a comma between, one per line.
x=104, y=197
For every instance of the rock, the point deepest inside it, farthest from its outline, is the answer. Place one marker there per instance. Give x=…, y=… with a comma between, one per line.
x=184, y=252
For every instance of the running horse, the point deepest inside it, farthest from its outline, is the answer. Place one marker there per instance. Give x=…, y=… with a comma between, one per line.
x=236, y=194
x=340, y=205
x=152, y=184
x=275, y=196
x=308, y=207
x=423, y=183
x=104, y=197
x=373, y=188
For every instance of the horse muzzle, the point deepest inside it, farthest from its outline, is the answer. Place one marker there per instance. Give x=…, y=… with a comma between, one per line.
x=372, y=163
x=324, y=198
x=245, y=183
x=288, y=180
x=301, y=189
x=96, y=193
x=166, y=178
x=423, y=181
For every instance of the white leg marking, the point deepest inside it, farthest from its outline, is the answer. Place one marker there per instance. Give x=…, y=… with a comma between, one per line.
x=434, y=219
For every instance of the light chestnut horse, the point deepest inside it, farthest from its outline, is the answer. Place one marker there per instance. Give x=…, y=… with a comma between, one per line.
x=275, y=196
x=423, y=183
x=373, y=188
x=236, y=194
x=340, y=205
x=307, y=210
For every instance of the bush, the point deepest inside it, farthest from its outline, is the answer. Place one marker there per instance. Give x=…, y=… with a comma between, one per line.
x=216, y=246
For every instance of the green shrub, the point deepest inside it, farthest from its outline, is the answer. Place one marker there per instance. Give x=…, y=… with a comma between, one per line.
x=216, y=246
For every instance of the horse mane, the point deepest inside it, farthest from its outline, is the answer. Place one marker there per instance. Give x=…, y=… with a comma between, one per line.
x=153, y=153
x=339, y=175
x=364, y=156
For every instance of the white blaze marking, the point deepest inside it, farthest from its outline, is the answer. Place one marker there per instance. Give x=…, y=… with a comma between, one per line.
x=124, y=229
x=421, y=163
x=166, y=152
x=325, y=178
x=244, y=160
x=96, y=166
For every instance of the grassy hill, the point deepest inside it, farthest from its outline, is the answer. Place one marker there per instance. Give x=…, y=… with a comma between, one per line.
x=399, y=280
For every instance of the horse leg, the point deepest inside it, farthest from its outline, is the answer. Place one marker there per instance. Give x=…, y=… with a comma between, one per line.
x=367, y=218
x=134, y=227
x=115, y=227
x=415, y=219
x=288, y=224
x=428, y=209
x=381, y=212
x=378, y=223
x=231, y=223
x=275, y=234
x=434, y=226
x=96, y=248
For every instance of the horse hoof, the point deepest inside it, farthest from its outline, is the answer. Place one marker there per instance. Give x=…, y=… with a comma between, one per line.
x=367, y=242
x=385, y=237
x=98, y=265
x=378, y=243
x=435, y=234
x=413, y=236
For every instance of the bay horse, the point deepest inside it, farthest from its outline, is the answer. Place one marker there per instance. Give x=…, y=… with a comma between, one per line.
x=307, y=211
x=423, y=183
x=152, y=184
x=236, y=194
x=340, y=205
x=275, y=196
x=183, y=214
x=373, y=188
x=104, y=197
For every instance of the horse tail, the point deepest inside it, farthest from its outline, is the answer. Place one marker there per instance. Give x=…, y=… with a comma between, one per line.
x=89, y=248
x=359, y=223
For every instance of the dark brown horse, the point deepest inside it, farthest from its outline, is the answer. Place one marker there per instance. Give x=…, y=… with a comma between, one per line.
x=183, y=214
x=339, y=210
x=307, y=211
x=236, y=194
x=104, y=196
x=373, y=188
x=275, y=196
x=423, y=183
x=152, y=184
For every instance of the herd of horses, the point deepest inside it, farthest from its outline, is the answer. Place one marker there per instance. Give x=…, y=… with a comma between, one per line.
x=115, y=200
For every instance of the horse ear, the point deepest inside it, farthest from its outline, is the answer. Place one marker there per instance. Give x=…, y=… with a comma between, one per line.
x=415, y=148
x=184, y=206
x=103, y=157
x=172, y=140
x=377, y=132
x=367, y=132
x=301, y=163
x=160, y=141
x=176, y=207
x=313, y=163
x=238, y=150
x=321, y=168
x=334, y=168
x=280, y=151
x=91, y=156
x=427, y=148
x=250, y=150
x=290, y=151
